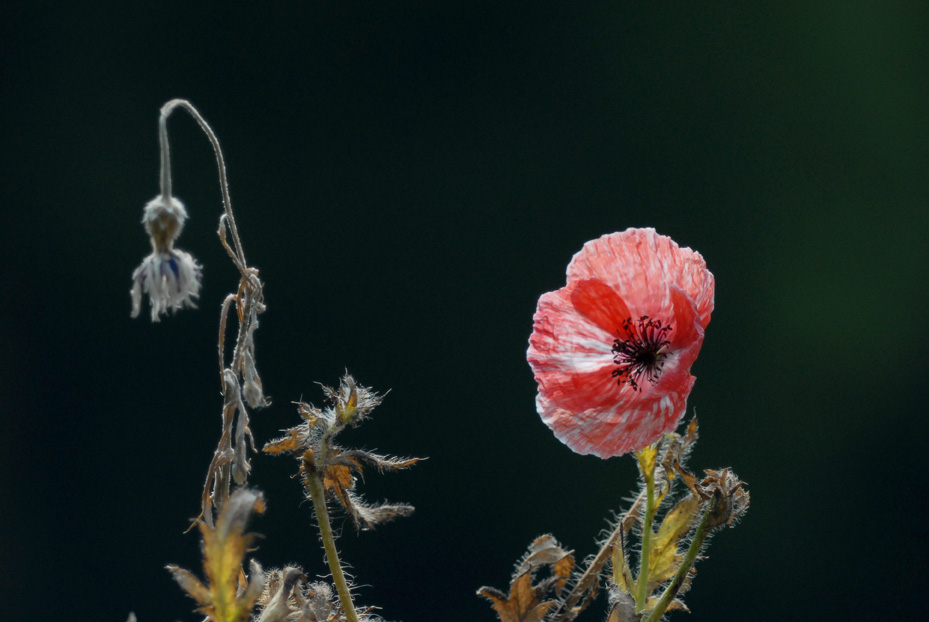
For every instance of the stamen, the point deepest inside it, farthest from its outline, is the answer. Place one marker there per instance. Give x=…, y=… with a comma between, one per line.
x=640, y=350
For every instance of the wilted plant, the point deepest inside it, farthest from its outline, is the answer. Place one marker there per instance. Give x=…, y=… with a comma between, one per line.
x=611, y=353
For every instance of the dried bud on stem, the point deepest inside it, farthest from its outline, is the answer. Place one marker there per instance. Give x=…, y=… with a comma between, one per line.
x=328, y=471
x=730, y=500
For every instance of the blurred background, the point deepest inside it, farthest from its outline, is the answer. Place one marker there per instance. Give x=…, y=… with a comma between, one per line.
x=409, y=178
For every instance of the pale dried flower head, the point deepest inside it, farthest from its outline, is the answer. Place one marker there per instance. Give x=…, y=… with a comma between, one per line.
x=171, y=279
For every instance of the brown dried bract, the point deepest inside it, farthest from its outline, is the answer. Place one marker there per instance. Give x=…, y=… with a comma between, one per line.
x=527, y=602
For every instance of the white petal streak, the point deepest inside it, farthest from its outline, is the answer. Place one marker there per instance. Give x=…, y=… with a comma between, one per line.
x=565, y=341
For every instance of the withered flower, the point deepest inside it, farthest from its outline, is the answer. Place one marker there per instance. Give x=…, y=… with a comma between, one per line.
x=289, y=598
x=170, y=277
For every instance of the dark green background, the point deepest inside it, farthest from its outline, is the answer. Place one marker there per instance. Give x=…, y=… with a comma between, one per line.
x=409, y=178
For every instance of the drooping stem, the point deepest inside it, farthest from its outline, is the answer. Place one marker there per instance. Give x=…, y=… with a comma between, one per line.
x=317, y=492
x=165, y=154
x=229, y=461
x=647, y=465
x=220, y=164
x=703, y=530
x=227, y=220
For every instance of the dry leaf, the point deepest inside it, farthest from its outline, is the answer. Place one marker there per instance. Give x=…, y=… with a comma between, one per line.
x=527, y=602
x=545, y=551
x=524, y=603
x=289, y=443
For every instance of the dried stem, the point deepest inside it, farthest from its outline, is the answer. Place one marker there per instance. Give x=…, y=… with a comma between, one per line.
x=218, y=471
x=220, y=163
x=248, y=305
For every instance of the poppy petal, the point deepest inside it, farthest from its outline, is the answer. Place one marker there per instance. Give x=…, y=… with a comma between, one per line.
x=599, y=303
x=641, y=259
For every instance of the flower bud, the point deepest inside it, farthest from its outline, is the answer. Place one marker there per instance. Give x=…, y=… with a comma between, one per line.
x=163, y=219
x=728, y=499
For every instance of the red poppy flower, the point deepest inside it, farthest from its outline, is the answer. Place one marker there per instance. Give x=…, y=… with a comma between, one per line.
x=612, y=350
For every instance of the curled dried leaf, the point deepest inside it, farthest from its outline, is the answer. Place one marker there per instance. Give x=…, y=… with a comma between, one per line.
x=546, y=551
x=382, y=463
x=288, y=444
x=368, y=516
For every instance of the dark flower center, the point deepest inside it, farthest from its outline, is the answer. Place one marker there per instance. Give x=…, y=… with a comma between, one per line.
x=640, y=350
